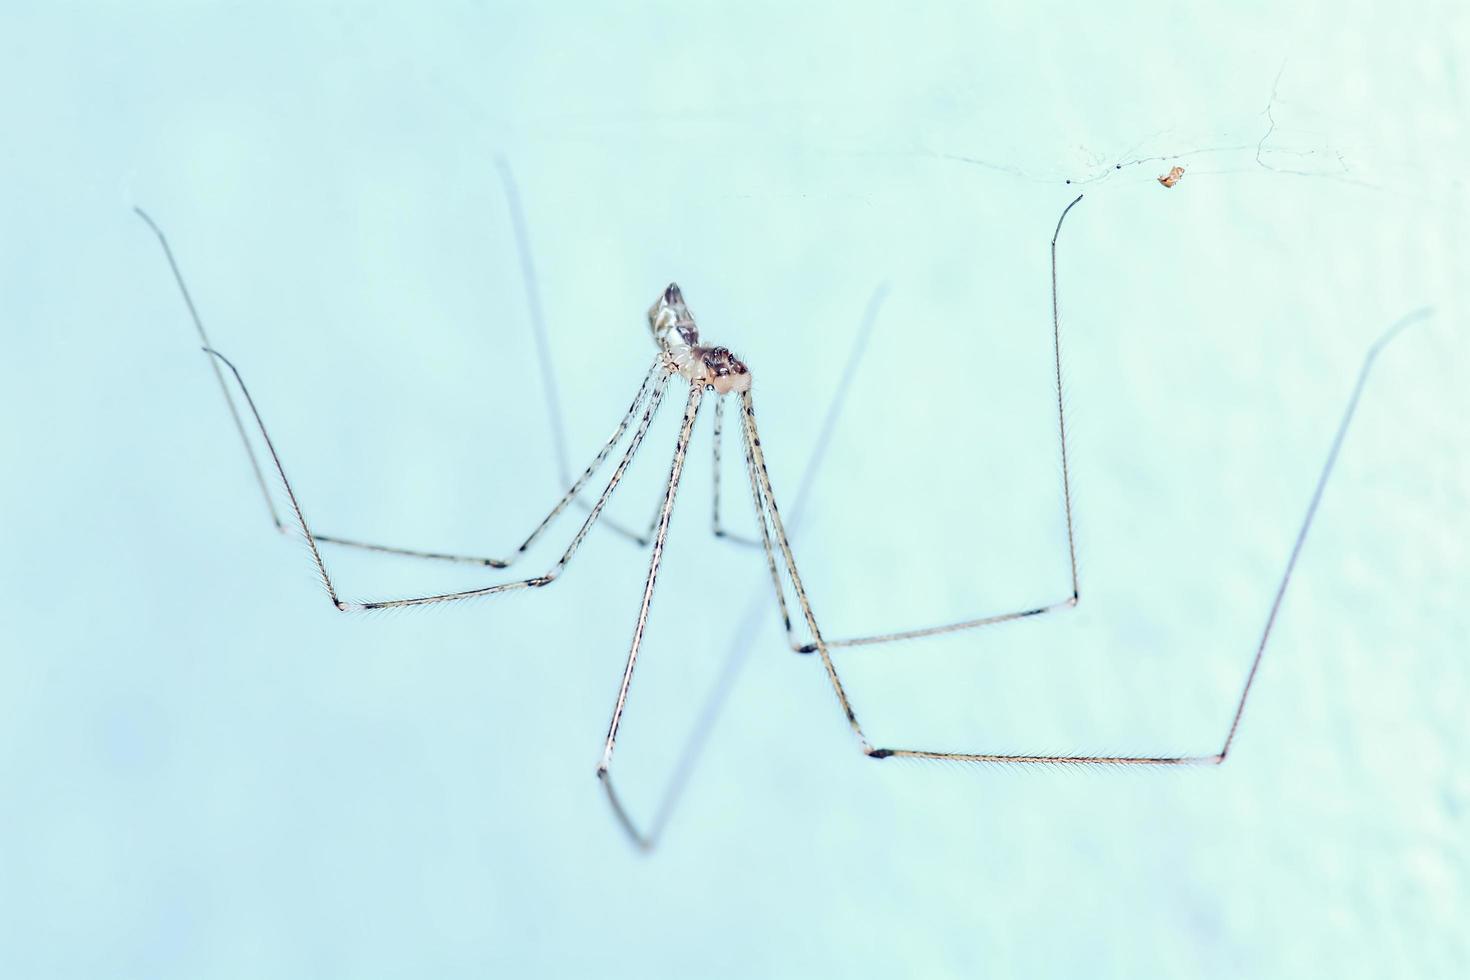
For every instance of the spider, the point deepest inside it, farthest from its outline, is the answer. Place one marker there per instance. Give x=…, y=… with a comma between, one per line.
x=714, y=373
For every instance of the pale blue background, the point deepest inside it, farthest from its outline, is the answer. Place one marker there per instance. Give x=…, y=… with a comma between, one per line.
x=205, y=772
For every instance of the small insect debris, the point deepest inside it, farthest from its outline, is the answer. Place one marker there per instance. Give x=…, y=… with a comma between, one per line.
x=1174, y=176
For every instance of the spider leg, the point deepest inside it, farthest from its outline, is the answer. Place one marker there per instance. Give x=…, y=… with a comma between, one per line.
x=577, y=486
x=642, y=538
x=341, y=541
x=769, y=518
x=676, y=468
x=741, y=643
x=544, y=359
x=639, y=538
x=1040, y=609
x=168, y=253
x=766, y=503
x=653, y=401
x=719, y=437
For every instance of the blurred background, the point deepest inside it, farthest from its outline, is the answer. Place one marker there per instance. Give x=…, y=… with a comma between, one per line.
x=208, y=772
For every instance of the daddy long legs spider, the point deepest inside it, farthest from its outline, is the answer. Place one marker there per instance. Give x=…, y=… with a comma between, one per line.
x=715, y=373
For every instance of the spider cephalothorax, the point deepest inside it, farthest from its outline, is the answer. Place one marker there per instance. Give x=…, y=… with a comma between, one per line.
x=724, y=371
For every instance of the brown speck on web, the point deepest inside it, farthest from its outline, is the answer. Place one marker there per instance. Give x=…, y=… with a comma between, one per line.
x=1174, y=176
